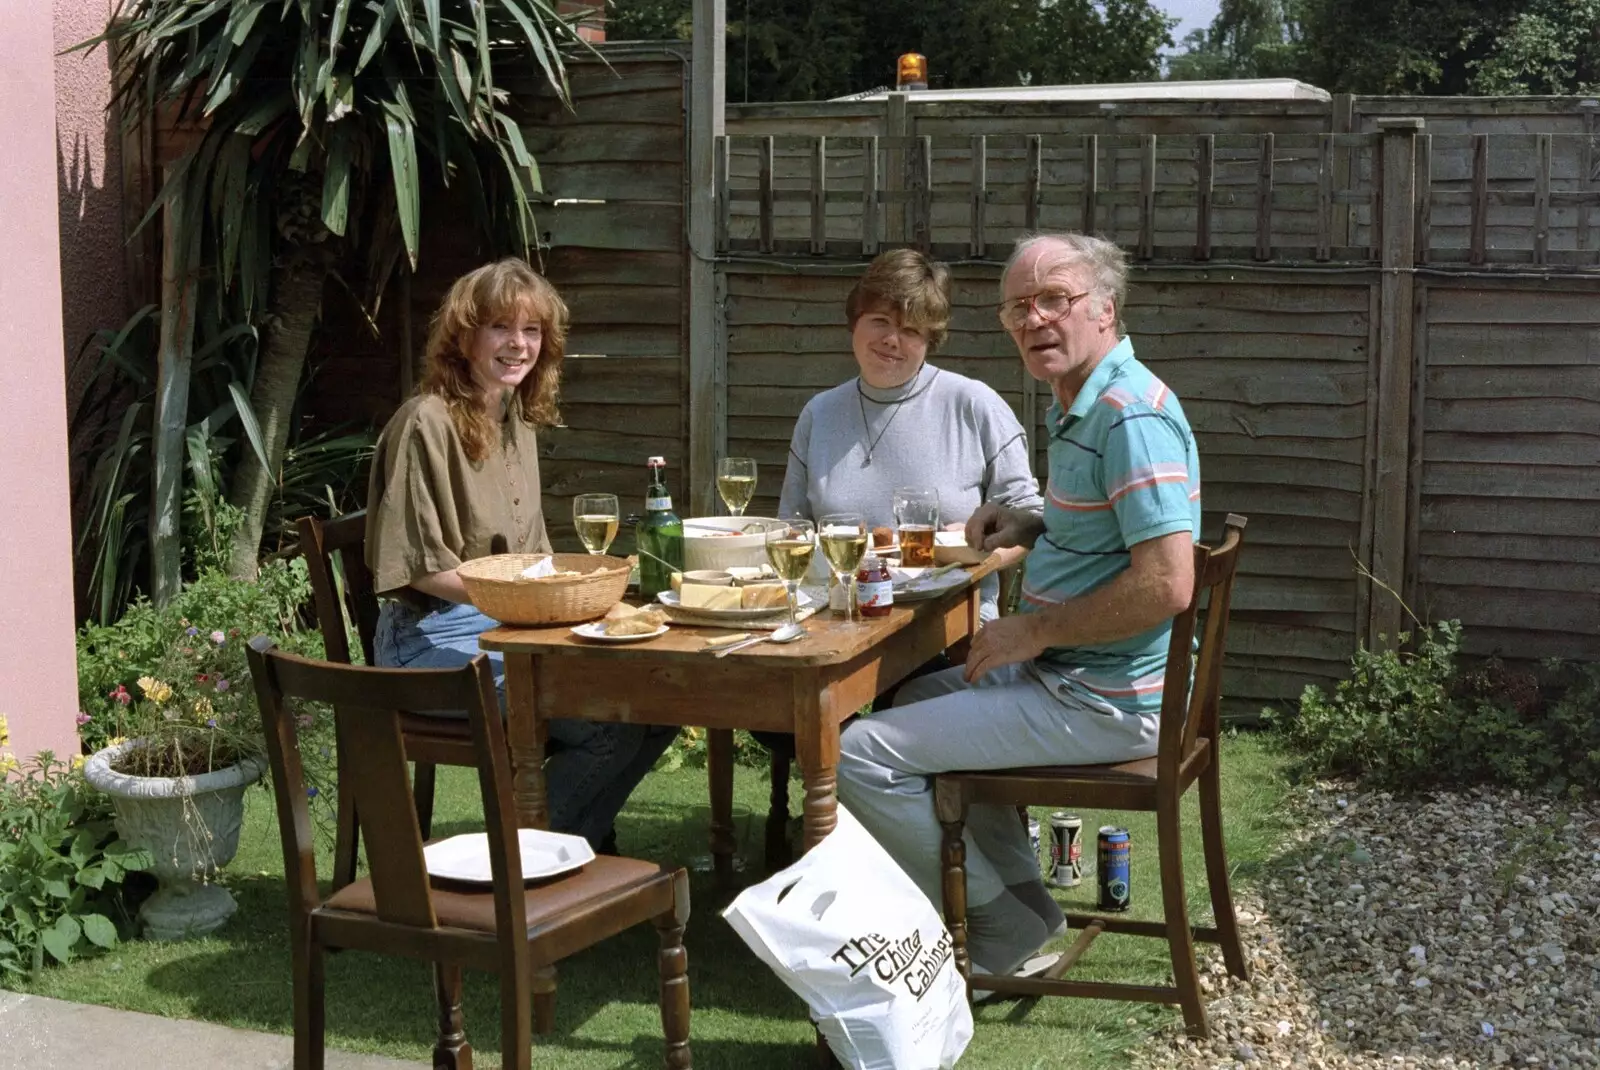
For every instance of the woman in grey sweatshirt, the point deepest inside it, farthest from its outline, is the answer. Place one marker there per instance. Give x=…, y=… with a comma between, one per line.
x=903, y=422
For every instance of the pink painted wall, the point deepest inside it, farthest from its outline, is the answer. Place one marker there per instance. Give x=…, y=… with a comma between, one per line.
x=38, y=676
x=88, y=182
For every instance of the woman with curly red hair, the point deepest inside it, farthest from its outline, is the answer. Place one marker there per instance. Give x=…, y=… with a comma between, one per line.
x=457, y=465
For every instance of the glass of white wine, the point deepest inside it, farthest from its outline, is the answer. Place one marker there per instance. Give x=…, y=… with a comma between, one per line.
x=595, y=516
x=791, y=543
x=844, y=543
x=736, y=483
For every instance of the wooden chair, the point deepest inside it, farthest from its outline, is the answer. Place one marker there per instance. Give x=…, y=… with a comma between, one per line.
x=1187, y=753
x=430, y=741
x=508, y=928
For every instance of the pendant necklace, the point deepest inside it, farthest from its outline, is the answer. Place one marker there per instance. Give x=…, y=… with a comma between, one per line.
x=866, y=429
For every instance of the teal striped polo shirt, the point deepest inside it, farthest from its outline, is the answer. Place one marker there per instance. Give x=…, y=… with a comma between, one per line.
x=1123, y=469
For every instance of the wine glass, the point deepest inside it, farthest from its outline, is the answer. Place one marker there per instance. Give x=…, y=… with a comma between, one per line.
x=595, y=516
x=736, y=483
x=790, y=546
x=916, y=516
x=844, y=543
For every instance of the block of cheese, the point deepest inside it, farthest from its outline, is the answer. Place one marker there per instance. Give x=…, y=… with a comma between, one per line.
x=704, y=596
x=764, y=596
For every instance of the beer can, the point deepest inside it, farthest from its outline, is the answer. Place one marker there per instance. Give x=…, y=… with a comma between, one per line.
x=1114, y=875
x=1033, y=835
x=1066, y=849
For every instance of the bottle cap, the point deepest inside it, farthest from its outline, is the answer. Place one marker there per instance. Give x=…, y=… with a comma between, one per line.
x=656, y=462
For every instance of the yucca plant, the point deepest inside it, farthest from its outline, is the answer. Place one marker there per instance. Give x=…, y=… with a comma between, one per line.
x=312, y=118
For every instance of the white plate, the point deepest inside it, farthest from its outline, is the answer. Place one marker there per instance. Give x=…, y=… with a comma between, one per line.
x=596, y=630
x=910, y=586
x=544, y=854
x=670, y=599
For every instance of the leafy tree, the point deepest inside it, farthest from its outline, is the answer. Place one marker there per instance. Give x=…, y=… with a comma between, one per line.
x=313, y=123
x=799, y=50
x=1442, y=47
x=1549, y=47
x=1248, y=39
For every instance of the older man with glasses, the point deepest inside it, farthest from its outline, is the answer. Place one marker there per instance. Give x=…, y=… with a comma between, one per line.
x=1076, y=677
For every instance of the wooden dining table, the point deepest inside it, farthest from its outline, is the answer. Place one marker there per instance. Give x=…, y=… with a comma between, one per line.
x=809, y=687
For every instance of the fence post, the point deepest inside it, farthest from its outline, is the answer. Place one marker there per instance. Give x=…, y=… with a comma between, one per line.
x=1390, y=467
x=896, y=128
x=708, y=425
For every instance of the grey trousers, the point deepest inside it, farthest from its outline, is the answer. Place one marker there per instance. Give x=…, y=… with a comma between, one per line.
x=1017, y=715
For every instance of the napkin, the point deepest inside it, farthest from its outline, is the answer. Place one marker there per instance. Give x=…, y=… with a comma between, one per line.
x=545, y=566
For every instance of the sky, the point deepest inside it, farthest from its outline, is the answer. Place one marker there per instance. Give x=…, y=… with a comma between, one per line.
x=1196, y=14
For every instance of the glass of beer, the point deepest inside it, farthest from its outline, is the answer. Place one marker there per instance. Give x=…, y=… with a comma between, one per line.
x=916, y=515
x=595, y=516
x=844, y=543
x=791, y=542
x=736, y=483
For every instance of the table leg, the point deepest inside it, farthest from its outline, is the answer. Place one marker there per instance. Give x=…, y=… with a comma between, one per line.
x=526, y=740
x=817, y=746
x=719, y=764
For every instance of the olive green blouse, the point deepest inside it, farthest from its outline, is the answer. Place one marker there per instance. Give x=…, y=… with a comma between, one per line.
x=429, y=508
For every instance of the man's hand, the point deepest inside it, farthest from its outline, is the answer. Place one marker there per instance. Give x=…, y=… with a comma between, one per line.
x=993, y=527
x=1001, y=642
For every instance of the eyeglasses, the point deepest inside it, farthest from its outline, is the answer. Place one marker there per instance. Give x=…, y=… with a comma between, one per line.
x=1051, y=305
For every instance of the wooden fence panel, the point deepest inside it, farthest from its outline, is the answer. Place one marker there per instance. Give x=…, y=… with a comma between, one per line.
x=1509, y=531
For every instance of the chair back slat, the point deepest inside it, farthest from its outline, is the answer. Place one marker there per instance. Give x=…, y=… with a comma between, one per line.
x=288, y=783
x=320, y=541
x=1188, y=713
x=366, y=703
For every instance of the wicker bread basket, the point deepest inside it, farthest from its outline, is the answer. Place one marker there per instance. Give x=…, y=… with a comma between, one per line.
x=497, y=587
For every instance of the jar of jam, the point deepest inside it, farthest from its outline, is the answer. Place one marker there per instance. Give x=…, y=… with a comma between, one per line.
x=874, y=591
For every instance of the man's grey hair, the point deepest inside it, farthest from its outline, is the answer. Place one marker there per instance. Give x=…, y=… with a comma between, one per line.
x=1104, y=262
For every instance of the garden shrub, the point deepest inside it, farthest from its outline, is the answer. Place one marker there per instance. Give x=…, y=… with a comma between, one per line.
x=1409, y=717
x=61, y=867
x=142, y=643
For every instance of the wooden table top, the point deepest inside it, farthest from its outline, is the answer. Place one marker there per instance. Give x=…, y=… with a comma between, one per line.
x=829, y=640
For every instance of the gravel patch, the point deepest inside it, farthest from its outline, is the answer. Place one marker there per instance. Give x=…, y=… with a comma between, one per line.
x=1443, y=930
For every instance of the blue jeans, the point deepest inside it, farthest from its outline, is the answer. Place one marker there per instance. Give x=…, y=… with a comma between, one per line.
x=595, y=766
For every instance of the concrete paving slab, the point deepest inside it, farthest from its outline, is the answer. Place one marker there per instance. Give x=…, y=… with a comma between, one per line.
x=51, y=1034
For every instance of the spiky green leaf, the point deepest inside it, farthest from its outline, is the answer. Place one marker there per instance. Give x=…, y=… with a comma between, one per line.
x=336, y=179
x=252, y=428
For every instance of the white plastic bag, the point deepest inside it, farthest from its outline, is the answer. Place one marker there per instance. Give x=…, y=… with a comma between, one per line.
x=849, y=933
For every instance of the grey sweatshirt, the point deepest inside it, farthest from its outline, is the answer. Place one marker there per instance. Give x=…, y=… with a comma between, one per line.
x=938, y=430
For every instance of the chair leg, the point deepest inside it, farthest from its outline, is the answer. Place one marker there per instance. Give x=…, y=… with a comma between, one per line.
x=951, y=808
x=422, y=786
x=673, y=963
x=516, y=1024
x=778, y=852
x=543, y=985
x=1180, y=939
x=308, y=1001
x=1217, y=872
x=451, y=1051
x=719, y=767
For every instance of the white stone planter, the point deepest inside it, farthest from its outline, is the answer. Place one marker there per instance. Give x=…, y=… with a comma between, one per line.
x=190, y=826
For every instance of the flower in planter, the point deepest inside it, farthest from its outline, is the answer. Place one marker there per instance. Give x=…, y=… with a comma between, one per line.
x=218, y=638
x=82, y=718
x=222, y=685
x=154, y=689
x=120, y=694
x=5, y=732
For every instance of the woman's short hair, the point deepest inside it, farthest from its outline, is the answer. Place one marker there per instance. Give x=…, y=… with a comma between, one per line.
x=909, y=284
x=505, y=288
x=1103, y=262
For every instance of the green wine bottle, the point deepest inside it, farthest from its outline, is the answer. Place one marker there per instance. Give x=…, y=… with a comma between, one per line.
x=659, y=535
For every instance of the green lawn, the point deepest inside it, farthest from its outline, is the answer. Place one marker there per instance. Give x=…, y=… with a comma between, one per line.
x=606, y=1012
